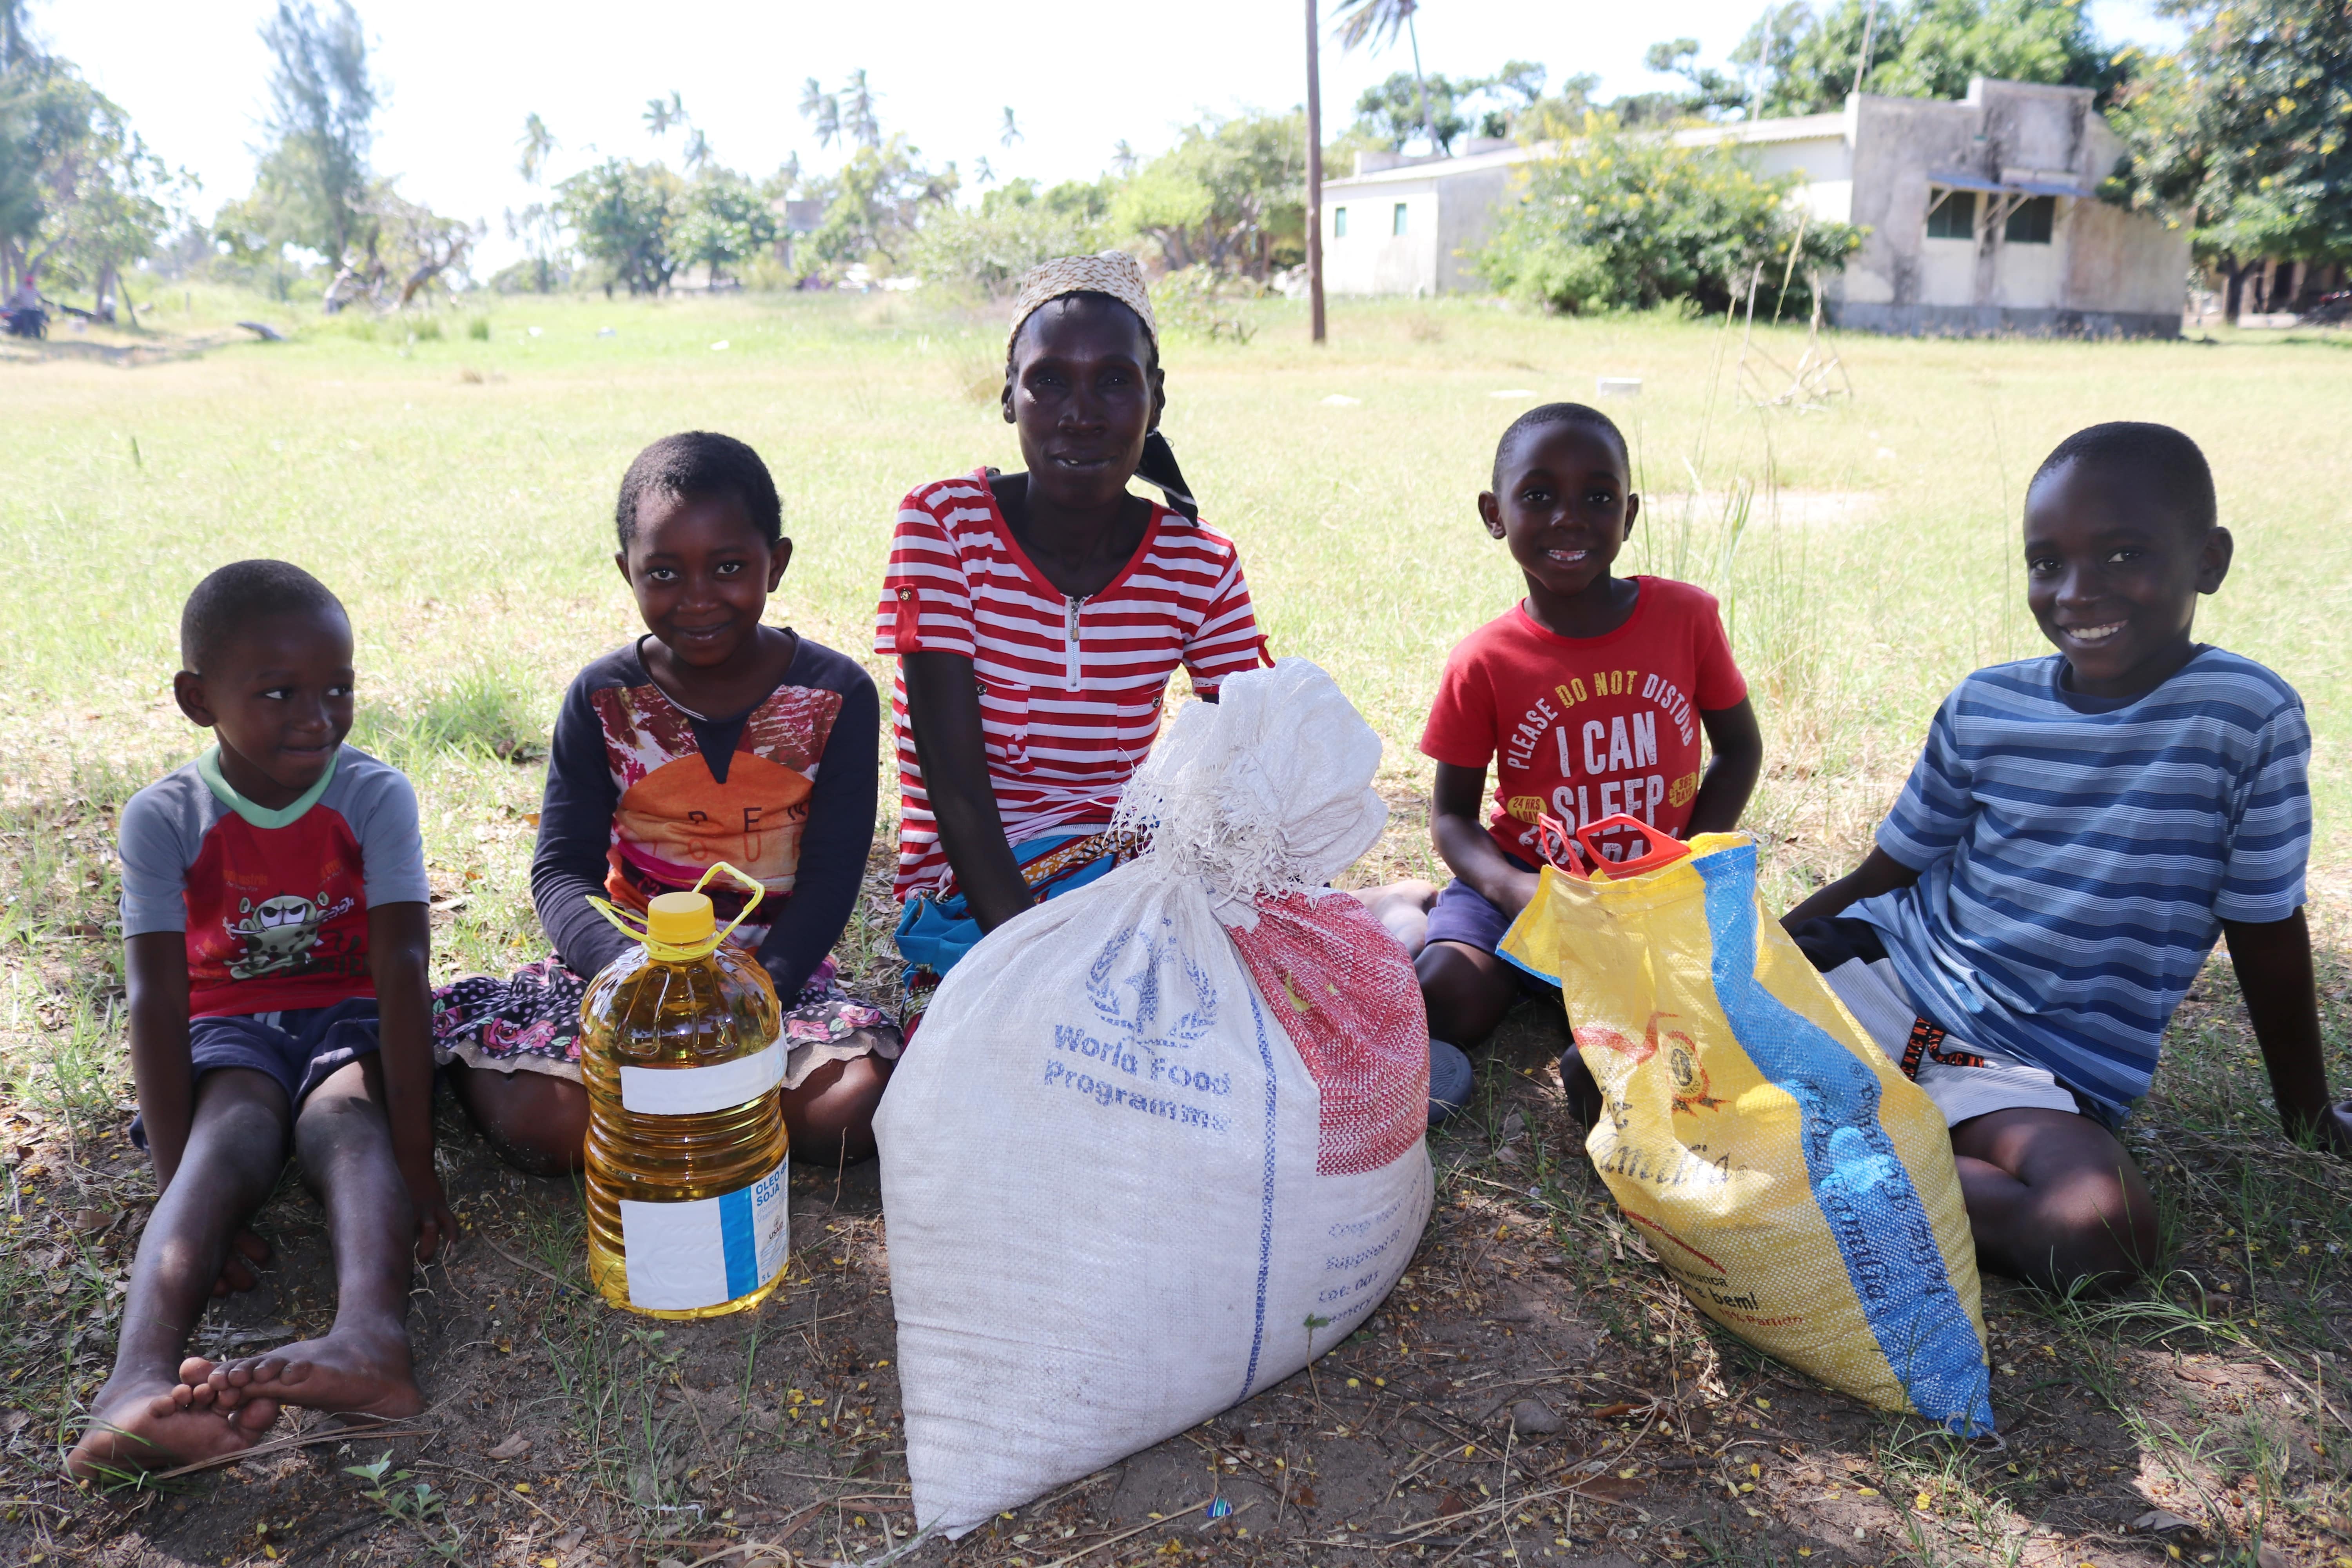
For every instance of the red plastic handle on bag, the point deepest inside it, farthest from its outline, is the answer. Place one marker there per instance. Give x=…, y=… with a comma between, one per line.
x=1557, y=845
x=1665, y=848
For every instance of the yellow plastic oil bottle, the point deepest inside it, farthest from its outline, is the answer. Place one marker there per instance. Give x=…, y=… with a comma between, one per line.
x=687, y=1167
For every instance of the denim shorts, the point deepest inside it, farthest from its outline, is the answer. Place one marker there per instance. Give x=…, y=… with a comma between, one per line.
x=299, y=1049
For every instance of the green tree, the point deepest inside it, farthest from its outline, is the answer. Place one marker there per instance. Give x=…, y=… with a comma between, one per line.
x=81, y=195
x=1395, y=112
x=1391, y=113
x=876, y=203
x=544, y=267
x=1016, y=226
x=117, y=200
x=1230, y=196
x=726, y=220
x=625, y=215
x=1376, y=22
x=322, y=102
x=410, y=247
x=2243, y=134
x=538, y=144
x=1800, y=60
x=1622, y=220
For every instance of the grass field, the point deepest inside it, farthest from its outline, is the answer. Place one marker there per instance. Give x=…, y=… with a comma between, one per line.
x=455, y=487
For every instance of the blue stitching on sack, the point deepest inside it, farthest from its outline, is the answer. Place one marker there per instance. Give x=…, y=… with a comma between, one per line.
x=1265, y=1201
x=1874, y=1213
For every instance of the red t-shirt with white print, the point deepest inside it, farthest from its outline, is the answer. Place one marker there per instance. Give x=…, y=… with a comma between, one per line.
x=1584, y=728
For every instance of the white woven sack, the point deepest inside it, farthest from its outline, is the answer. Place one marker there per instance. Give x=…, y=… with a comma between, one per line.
x=1159, y=1141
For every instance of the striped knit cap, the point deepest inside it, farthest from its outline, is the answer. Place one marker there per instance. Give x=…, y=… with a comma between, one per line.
x=1114, y=273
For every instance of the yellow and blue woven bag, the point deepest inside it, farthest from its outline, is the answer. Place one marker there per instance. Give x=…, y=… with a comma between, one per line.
x=1787, y=1175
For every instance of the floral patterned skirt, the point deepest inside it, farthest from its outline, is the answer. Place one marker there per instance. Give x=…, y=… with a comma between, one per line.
x=532, y=1023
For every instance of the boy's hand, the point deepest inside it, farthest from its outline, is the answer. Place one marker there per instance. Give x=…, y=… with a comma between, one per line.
x=2273, y=959
x=1878, y=873
x=436, y=1226
x=399, y=940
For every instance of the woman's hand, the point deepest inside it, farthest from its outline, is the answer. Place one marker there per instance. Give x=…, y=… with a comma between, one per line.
x=943, y=711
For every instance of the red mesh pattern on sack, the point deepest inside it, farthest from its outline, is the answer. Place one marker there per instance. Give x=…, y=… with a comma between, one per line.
x=1346, y=993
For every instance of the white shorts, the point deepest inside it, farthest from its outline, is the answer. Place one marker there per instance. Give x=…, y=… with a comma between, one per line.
x=1963, y=1079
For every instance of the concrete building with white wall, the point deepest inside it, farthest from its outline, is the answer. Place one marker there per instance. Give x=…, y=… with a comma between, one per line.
x=1982, y=215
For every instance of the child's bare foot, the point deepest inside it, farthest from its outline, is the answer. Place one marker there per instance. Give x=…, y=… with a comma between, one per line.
x=354, y=1370
x=151, y=1424
x=1402, y=907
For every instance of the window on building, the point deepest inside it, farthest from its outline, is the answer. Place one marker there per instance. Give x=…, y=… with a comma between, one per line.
x=1339, y=223
x=1396, y=219
x=1952, y=215
x=2029, y=221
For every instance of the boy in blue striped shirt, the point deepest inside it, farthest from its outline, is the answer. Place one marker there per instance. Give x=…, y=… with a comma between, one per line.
x=2076, y=834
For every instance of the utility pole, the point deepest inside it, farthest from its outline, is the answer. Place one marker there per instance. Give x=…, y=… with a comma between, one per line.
x=1315, y=168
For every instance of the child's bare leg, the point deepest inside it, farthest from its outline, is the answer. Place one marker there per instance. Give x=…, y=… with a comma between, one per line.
x=829, y=1116
x=1466, y=991
x=536, y=1122
x=363, y=1364
x=1402, y=907
x=157, y=1411
x=2054, y=1199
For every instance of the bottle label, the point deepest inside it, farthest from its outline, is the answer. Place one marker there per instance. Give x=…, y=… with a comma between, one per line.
x=708, y=1251
x=694, y=1091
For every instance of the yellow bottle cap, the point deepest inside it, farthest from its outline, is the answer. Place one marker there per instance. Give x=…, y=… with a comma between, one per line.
x=680, y=920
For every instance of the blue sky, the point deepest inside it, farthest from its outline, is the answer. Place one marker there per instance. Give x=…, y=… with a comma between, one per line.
x=459, y=76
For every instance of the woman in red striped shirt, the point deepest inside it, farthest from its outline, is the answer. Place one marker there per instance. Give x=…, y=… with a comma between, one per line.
x=1038, y=618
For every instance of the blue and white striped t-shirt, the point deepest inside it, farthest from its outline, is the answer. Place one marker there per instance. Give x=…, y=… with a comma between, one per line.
x=2076, y=856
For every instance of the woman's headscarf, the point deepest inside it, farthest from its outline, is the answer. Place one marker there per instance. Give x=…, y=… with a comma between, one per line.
x=1116, y=274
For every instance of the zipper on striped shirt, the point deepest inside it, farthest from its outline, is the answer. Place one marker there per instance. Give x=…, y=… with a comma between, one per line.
x=1070, y=660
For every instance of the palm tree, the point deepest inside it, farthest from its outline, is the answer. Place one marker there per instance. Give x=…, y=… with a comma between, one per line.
x=857, y=110
x=1011, y=132
x=538, y=144
x=981, y=175
x=822, y=109
x=661, y=114
x=1377, y=21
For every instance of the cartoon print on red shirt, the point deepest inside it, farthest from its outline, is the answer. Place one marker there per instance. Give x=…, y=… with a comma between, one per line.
x=280, y=933
x=284, y=907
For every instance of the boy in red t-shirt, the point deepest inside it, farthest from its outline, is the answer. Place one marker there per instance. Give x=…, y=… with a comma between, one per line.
x=1591, y=692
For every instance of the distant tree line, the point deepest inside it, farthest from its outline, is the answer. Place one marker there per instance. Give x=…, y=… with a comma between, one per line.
x=2239, y=135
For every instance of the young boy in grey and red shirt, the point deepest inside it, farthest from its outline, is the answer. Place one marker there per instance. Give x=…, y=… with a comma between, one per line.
x=274, y=934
